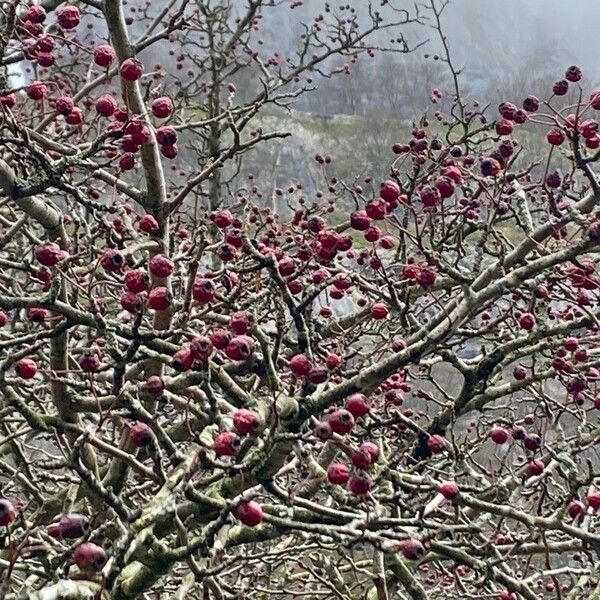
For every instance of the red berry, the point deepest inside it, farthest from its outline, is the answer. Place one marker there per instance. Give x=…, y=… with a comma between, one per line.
x=411, y=549
x=89, y=557
x=201, y=348
x=121, y=115
x=68, y=17
x=106, y=105
x=131, y=69
x=154, y=384
x=240, y=347
x=555, y=137
x=453, y=173
x=318, y=375
x=166, y=136
x=222, y=218
x=203, y=290
x=162, y=107
x=573, y=74
x=527, y=321
x=518, y=432
x=362, y=459
x=360, y=483
x=220, y=338
x=240, y=322
x=490, y=167
x=359, y=220
x=49, y=254
x=128, y=144
x=286, y=266
x=249, y=513
x=595, y=99
x=71, y=526
x=75, y=117
x=161, y=266
x=245, y=421
x=341, y=421
x=323, y=430
x=498, y=434
x=357, y=405
x=139, y=131
x=8, y=100
x=7, y=512
x=535, y=467
x=593, y=499
x=436, y=443
x=560, y=88
x=159, y=298
x=45, y=59
x=300, y=365
x=532, y=442
x=444, y=186
x=26, y=368
x=127, y=162
x=520, y=373
x=131, y=302
x=169, y=152
x=507, y=110
x=376, y=209
x=64, y=105
x=35, y=14
x=37, y=315
x=575, y=508
x=36, y=90
x=183, y=360
x=504, y=127
x=141, y=435
x=104, y=55
x=593, y=230
x=531, y=104
x=332, y=361
x=553, y=180
x=389, y=191
x=430, y=196
x=449, y=489
x=112, y=260
x=372, y=448
x=379, y=311
x=148, y=224
x=226, y=444
x=338, y=474
x=89, y=362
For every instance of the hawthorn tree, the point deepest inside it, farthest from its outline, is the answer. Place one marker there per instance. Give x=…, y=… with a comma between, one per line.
x=347, y=397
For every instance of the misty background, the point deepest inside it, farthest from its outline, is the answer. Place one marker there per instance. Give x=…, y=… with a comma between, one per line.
x=504, y=49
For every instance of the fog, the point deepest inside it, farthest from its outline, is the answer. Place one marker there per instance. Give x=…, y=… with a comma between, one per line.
x=505, y=49
x=501, y=46
x=513, y=36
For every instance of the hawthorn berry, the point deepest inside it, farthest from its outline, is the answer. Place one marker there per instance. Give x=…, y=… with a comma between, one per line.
x=26, y=368
x=104, y=55
x=68, y=17
x=162, y=107
x=338, y=473
x=249, y=513
x=141, y=435
x=131, y=69
x=226, y=443
x=89, y=557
